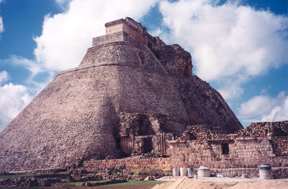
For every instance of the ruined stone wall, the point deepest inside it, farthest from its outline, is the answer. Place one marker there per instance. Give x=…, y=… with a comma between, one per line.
x=248, y=148
x=251, y=148
x=194, y=154
x=277, y=132
x=277, y=172
x=280, y=145
x=149, y=163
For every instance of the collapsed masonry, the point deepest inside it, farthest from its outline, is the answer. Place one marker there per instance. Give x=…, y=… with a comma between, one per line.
x=259, y=143
x=229, y=155
x=131, y=92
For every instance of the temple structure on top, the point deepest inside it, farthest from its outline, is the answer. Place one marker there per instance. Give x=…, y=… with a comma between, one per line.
x=124, y=30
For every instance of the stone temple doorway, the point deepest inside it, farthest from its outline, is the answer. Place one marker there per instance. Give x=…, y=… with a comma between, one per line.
x=148, y=145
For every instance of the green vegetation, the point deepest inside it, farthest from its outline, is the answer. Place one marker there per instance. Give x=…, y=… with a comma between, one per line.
x=63, y=173
x=30, y=175
x=125, y=185
x=136, y=183
x=145, y=171
x=10, y=176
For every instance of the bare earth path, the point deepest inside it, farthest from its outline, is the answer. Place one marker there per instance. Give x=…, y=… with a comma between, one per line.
x=221, y=183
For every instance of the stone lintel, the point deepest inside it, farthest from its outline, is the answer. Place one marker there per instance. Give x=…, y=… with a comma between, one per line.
x=245, y=138
x=221, y=141
x=176, y=142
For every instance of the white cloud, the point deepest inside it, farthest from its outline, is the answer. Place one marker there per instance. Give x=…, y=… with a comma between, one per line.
x=30, y=65
x=13, y=98
x=1, y=25
x=229, y=42
x=3, y=76
x=265, y=108
x=66, y=36
x=63, y=3
x=35, y=69
x=1, y=21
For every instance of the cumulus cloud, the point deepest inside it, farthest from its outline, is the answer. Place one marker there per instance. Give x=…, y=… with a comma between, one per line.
x=66, y=36
x=13, y=98
x=63, y=3
x=1, y=25
x=31, y=65
x=3, y=76
x=265, y=108
x=35, y=69
x=1, y=21
x=228, y=41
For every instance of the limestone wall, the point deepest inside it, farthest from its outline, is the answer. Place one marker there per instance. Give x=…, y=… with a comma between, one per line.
x=195, y=154
x=149, y=163
x=277, y=172
x=248, y=148
x=165, y=164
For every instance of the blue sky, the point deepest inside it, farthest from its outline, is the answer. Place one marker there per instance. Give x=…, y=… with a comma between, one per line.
x=239, y=47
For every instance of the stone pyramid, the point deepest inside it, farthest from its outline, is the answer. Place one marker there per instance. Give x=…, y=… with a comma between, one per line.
x=129, y=84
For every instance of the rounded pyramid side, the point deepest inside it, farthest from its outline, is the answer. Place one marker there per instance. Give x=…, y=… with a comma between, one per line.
x=73, y=115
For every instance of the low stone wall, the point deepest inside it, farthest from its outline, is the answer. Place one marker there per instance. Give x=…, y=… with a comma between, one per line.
x=129, y=163
x=277, y=172
x=165, y=164
x=236, y=172
x=242, y=154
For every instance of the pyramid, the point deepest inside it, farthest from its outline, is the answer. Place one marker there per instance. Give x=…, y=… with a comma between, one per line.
x=128, y=85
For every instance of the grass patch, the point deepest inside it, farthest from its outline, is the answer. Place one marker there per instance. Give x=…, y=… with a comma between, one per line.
x=31, y=175
x=62, y=173
x=11, y=176
x=79, y=184
x=145, y=171
x=136, y=183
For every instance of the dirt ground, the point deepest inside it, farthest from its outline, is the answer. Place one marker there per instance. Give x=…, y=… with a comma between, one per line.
x=222, y=183
x=114, y=187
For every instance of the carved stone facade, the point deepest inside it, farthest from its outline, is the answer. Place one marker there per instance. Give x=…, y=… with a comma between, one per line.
x=259, y=143
x=230, y=155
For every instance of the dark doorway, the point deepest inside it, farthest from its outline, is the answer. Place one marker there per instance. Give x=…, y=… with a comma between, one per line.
x=148, y=147
x=149, y=45
x=225, y=148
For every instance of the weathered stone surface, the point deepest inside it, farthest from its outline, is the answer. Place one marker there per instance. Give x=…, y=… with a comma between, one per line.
x=259, y=143
x=83, y=112
x=176, y=61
